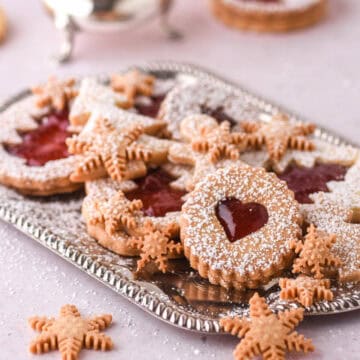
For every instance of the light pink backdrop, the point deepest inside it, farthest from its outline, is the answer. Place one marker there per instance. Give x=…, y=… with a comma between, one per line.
x=313, y=72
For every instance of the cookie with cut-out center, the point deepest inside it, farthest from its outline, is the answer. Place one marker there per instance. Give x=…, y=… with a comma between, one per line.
x=34, y=157
x=116, y=212
x=237, y=225
x=337, y=212
x=201, y=97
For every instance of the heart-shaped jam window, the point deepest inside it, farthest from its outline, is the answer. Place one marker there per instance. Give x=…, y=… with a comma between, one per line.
x=240, y=219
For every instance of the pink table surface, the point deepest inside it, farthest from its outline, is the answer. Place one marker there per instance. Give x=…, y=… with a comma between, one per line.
x=314, y=72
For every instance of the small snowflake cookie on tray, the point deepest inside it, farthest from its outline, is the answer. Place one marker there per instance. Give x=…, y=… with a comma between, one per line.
x=269, y=15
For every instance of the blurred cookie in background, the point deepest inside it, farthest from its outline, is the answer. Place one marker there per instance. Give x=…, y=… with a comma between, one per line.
x=269, y=15
x=3, y=25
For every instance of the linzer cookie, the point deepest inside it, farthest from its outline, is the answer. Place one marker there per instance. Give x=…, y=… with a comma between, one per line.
x=269, y=15
x=107, y=148
x=201, y=97
x=337, y=212
x=69, y=333
x=212, y=146
x=117, y=212
x=33, y=153
x=99, y=99
x=93, y=97
x=237, y=225
x=266, y=333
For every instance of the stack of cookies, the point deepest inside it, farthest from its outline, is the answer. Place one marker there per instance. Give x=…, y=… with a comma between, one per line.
x=176, y=168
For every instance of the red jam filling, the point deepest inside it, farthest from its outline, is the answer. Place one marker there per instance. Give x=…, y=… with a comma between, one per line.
x=45, y=143
x=218, y=114
x=152, y=108
x=240, y=219
x=305, y=181
x=156, y=194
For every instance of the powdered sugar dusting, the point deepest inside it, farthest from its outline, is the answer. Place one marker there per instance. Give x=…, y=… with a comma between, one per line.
x=188, y=98
x=259, y=251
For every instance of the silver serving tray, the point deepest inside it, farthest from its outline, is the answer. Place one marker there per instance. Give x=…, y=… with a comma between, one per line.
x=180, y=298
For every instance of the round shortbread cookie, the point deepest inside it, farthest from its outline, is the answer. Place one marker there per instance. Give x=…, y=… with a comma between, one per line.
x=256, y=257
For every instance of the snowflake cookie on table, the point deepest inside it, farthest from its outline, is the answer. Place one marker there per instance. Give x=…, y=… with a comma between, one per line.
x=266, y=333
x=69, y=333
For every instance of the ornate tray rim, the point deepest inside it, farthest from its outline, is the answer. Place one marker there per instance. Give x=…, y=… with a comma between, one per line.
x=142, y=294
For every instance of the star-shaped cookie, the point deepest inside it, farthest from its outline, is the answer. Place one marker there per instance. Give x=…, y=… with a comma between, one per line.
x=55, y=94
x=315, y=253
x=278, y=135
x=213, y=146
x=121, y=153
x=306, y=290
x=338, y=218
x=155, y=246
x=133, y=83
x=69, y=333
x=266, y=333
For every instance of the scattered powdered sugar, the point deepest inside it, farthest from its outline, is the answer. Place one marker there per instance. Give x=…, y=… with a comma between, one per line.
x=265, y=248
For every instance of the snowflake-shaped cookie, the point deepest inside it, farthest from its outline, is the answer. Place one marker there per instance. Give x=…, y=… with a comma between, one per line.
x=55, y=93
x=117, y=212
x=69, y=333
x=155, y=246
x=217, y=140
x=315, y=253
x=133, y=83
x=266, y=333
x=306, y=290
x=107, y=148
x=278, y=135
x=213, y=147
x=334, y=217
